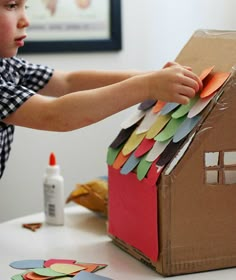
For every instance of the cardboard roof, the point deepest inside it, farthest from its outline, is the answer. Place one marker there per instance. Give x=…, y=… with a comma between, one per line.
x=158, y=134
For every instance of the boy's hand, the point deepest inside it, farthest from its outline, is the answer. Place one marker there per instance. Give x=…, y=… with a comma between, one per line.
x=174, y=83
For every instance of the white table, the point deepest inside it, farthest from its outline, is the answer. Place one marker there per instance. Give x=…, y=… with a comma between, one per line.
x=83, y=238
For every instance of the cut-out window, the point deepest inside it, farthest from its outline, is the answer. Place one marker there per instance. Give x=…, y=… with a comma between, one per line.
x=230, y=176
x=211, y=159
x=229, y=158
x=212, y=177
x=220, y=168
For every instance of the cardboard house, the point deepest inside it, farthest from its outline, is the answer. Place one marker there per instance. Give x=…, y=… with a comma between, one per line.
x=172, y=170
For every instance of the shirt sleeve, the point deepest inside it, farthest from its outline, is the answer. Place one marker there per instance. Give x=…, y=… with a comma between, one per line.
x=22, y=81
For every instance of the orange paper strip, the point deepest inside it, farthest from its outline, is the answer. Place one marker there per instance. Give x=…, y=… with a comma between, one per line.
x=120, y=160
x=214, y=84
x=159, y=105
x=205, y=73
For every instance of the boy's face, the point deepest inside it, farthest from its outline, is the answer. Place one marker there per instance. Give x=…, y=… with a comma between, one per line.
x=13, y=24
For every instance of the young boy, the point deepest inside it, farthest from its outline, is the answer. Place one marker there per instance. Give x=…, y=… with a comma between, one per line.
x=26, y=90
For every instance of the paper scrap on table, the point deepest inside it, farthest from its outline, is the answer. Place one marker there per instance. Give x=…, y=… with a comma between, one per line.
x=89, y=276
x=27, y=264
x=53, y=269
x=32, y=226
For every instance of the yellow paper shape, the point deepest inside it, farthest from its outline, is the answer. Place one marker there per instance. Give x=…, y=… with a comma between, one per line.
x=66, y=268
x=133, y=142
x=161, y=121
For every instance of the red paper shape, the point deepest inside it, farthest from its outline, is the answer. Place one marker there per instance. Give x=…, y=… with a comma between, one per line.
x=154, y=172
x=133, y=212
x=48, y=263
x=144, y=147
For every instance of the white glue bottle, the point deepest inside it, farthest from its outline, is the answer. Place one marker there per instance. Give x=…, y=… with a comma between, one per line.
x=53, y=185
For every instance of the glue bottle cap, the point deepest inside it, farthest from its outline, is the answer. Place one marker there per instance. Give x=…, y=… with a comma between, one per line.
x=52, y=159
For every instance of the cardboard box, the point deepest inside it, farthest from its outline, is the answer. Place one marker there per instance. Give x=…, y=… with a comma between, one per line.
x=185, y=222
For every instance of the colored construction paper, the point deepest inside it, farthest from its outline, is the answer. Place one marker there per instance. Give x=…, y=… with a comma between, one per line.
x=49, y=269
x=123, y=135
x=159, y=105
x=179, y=155
x=130, y=164
x=168, y=108
x=214, y=84
x=184, y=109
x=154, y=173
x=134, y=212
x=133, y=142
x=32, y=226
x=143, y=168
x=17, y=277
x=144, y=147
x=83, y=275
x=169, y=152
x=147, y=104
x=200, y=105
x=50, y=262
x=47, y=272
x=147, y=122
x=112, y=154
x=90, y=266
x=186, y=127
x=156, y=150
x=170, y=129
x=66, y=268
x=34, y=276
x=27, y=264
x=158, y=125
x=206, y=72
x=120, y=160
x=133, y=119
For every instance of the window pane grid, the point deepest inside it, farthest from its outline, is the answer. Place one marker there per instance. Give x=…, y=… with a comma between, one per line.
x=220, y=168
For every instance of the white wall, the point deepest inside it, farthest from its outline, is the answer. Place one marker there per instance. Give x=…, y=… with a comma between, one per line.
x=154, y=31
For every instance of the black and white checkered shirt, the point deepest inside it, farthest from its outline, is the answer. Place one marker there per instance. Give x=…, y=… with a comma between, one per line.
x=19, y=80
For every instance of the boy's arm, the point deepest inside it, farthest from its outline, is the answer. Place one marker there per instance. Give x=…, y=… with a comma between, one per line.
x=82, y=108
x=63, y=83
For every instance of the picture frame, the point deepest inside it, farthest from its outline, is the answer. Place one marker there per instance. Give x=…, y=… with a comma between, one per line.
x=99, y=30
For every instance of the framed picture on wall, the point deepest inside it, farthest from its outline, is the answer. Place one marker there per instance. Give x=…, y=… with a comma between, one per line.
x=73, y=26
